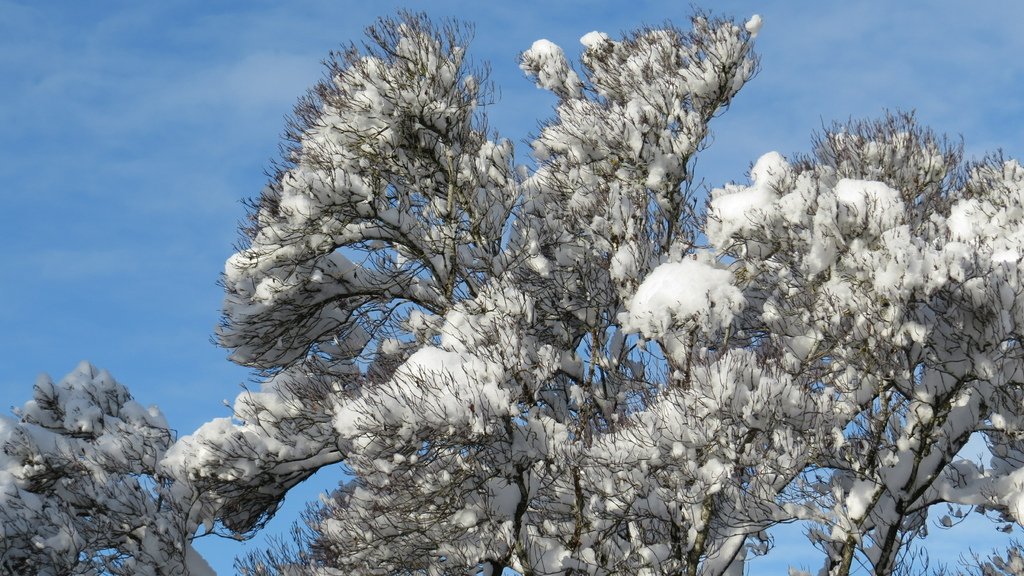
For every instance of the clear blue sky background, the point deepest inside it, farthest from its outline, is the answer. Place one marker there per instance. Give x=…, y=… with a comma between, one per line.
x=130, y=131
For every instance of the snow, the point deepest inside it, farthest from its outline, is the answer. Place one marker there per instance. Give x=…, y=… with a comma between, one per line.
x=965, y=220
x=867, y=203
x=734, y=208
x=432, y=361
x=592, y=40
x=753, y=26
x=546, y=63
x=465, y=518
x=769, y=170
x=678, y=293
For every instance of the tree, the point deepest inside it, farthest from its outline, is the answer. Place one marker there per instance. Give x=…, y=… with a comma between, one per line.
x=579, y=367
x=885, y=271
x=502, y=295
x=80, y=487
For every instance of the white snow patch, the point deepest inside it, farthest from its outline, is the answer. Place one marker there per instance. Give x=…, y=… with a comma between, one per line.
x=857, y=502
x=546, y=63
x=769, y=169
x=593, y=39
x=679, y=292
x=867, y=202
x=731, y=208
x=754, y=25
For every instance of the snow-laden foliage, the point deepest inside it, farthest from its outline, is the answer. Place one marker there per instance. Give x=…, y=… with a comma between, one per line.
x=885, y=273
x=577, y=367
x=496, y=310
x=80, y=485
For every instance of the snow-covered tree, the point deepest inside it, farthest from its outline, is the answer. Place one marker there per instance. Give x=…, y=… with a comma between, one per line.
x=885, y=272
x=528, y=368
x=577, y=367
x=81, y=491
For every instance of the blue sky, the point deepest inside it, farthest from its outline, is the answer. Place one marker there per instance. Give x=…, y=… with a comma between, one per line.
x=130, y=132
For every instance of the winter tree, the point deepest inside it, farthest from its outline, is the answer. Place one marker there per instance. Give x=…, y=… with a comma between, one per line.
x=883, y=273
x=584, y=366
x=80, y=486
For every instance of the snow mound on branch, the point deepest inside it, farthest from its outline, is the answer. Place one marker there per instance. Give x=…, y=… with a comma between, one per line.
x=753, y=25
x=593, y=40
x=867, y=204
x=731, y=208
x=678, y=293
x=546, y=64
x=434, y=389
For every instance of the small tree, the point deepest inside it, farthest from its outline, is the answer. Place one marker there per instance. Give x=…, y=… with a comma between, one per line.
x=81, y=490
